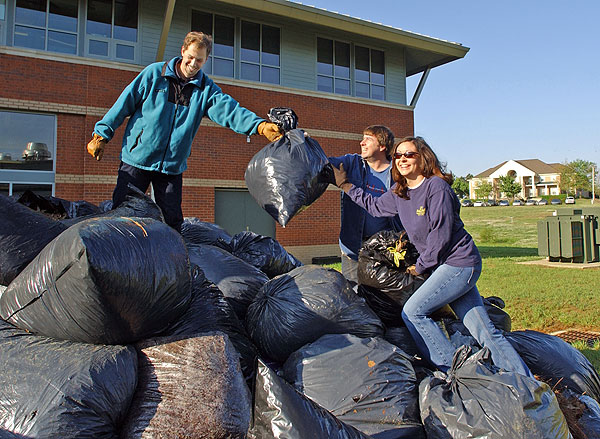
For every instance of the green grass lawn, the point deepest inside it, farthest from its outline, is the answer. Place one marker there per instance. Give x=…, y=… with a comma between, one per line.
x=539, y=298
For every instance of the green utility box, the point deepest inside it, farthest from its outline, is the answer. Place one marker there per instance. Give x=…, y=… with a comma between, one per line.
x=570, y=235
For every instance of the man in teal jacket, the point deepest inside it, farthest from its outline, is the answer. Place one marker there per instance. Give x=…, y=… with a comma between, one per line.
x=165, y=104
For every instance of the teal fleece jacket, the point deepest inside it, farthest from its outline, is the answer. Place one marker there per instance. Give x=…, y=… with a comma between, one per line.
x=164, y=117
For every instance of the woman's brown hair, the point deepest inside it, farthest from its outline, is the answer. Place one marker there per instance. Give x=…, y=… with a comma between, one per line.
x=429, y=162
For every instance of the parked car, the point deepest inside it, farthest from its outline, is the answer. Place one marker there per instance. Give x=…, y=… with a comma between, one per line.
x=570, y=200
x=492, y=203
x=530, y=202
x=480, y=203
x=518, y=202
x=503, y=203
x=465, y=202
x=555, y=201
x=542, y=202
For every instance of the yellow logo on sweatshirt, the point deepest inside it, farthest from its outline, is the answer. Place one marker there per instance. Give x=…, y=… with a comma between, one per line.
x=421, y=211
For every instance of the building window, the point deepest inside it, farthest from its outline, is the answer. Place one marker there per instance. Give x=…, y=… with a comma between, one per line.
x=222, y=58
x=112, y=28
x=26, y=155
x=369, y=73
x=46, y=25
x=335, y=74
x=260, y=53
x=2, y=11
x=333, y=66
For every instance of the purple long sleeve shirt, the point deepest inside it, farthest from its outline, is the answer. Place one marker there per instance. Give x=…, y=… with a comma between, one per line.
x=431, y=220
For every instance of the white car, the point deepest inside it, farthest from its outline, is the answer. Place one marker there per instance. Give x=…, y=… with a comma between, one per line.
x=570, y=200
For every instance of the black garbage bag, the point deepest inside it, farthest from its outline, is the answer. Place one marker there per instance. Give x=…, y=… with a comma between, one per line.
x=136, y=205
x=238, y=281
x=188, y=388
x=297, y=308
x=195, y=231
x=62, y=389
x=57, y=208
x=285, y=118
x=210, y=311
x=367, y=383
x=556, y=362
x=104, y=280
x=288, y=175
x=589, y=421
x=494, y=306
x=382, y=277
x=476, y=399
x=23, y=234
x=280, y=412
x=263, y=252
x=399, y=336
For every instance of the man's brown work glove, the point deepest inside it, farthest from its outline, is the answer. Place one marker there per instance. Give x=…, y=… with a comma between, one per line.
x=269, y=130
x=341, y=179
x=96, y=146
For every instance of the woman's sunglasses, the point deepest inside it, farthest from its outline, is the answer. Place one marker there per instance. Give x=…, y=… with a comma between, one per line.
x=407, y=154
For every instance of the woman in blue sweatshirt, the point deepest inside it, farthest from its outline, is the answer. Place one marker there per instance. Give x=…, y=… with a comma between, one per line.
x=429, y=211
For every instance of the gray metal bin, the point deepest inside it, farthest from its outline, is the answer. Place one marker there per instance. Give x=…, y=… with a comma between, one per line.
x=570, y=235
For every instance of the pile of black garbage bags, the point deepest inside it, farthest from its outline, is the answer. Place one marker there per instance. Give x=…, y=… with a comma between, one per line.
x=115, y=325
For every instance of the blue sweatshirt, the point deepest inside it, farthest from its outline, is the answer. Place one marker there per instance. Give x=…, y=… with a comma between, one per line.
x=431, y=220
x=164, y=116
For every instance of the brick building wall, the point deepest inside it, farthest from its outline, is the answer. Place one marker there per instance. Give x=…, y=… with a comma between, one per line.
x=79, y=94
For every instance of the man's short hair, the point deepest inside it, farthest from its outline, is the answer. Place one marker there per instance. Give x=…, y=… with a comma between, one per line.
x=199, y=38
x=384, y=136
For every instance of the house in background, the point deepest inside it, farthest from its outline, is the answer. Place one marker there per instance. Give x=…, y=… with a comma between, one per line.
x=535, y=177
x=64, y=63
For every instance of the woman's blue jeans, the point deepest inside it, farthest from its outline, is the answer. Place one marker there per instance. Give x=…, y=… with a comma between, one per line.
x=456, y=286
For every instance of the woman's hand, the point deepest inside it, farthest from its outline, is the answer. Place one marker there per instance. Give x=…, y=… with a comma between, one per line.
x=412, y=270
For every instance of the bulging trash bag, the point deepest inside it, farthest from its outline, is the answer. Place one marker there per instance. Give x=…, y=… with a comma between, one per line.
x=210, y=311
x=382, y=277
x=195, y=231
x=494, y=306
x=476, y=399
x=57, y=208
x=280, y=412
x=556, y=362
x=62, y=389
x=589, y=422
x=297, y=308
x=136, y=205
x=189, y=388
x=288, y=175
x=367, y=383
x=238, y=281
x=285, y=118
x=263, y=252
x=104, y=280
x=23, y=234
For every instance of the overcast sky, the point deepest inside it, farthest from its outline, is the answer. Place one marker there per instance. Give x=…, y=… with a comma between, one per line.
x=529, y=87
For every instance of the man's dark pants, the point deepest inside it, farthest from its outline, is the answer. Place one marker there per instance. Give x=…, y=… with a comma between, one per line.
x=167, y=190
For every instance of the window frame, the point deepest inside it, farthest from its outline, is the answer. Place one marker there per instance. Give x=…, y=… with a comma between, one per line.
x=47, y=29
x=333, y=76
x=33, y=176
x=111, y=41
x=353, y=70
x=371, y=83
x=261, y=63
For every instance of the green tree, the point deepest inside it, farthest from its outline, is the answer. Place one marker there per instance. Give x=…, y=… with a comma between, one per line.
x=484, y=190
x=576, y=176
x=461, y=187
x=509, y=186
